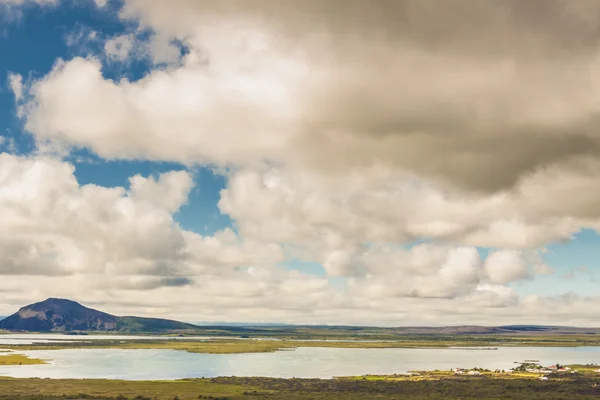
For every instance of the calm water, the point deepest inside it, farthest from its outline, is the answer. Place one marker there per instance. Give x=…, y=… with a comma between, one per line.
x=300, y=363
x=30, y=338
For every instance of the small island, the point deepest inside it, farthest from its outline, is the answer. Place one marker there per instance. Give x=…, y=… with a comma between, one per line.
x=10, y=358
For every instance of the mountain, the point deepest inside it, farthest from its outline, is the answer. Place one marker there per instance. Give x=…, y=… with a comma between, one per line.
x=61, y=315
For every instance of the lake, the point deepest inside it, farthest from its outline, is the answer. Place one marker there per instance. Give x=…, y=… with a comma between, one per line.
x=299, y=363
x=30, y=338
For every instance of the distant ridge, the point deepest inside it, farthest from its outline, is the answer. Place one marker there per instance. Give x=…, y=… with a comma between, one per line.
x=244, y=324
x=62, y=315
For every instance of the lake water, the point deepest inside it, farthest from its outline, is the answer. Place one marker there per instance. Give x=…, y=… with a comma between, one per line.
x=299, y=363
x=31, y=338
x=50, y=337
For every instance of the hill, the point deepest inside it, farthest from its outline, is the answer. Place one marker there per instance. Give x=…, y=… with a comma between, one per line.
x=61, y=315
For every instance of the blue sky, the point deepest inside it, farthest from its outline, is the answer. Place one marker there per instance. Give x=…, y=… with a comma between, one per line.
x=33, y=43
x=298, y=178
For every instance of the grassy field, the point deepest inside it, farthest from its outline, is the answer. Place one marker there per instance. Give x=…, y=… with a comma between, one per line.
x=443, y=387
x=425, y=385
x=209, y=347
x=18, y=359
x=508, y=333
x=97, y=388
x=229, y=346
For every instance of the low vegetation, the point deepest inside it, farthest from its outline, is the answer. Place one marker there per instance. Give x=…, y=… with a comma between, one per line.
x=444, y=386
x=11, y=388
x=18, y=359
x=209, y=347
x=230, y=345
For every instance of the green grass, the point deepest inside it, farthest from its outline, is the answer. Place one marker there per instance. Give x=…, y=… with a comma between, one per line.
x=427, y=385
x=209, y=347
x=19, y=359
x=11, y=388
x=230, y=346
x=445, y=387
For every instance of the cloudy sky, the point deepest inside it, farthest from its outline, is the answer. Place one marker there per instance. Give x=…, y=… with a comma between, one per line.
x=394, y=162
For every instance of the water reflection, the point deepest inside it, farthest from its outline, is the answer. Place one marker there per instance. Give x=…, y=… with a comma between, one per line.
x=299, y=363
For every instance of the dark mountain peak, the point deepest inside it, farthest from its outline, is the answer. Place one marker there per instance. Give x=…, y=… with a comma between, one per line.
x=62, y=315
x=58, y=315
x=59, y=301
x=53, y=303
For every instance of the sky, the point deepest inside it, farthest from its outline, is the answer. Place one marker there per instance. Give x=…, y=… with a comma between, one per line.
x=391, y=163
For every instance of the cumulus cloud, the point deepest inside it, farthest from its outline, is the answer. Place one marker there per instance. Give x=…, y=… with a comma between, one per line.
x=148, y=119
x=422, y=272
x=449, y=108
x=476, y=118
x=96, y=243
x=170, y=191
x=348, y=130
x=505, y=266
x=53, y=226
x=158, y=48
x=380, y=205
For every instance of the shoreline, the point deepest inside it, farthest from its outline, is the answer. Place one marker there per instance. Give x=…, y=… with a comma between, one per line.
x=243, y=346
x=347, y=388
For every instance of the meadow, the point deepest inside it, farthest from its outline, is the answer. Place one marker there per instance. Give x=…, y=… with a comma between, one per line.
x=232, y=346
x=444, y=387
x=422, y=386
x=8, y=358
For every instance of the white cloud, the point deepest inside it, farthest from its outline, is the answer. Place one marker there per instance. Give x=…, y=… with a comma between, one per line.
x=158, y=48
x=341, y=263
x=340, y=151
x=119, y=47
x=8, y=144
x=83, y=40
x=160, y=116
x=247, y=94
x=12, y=9
x=163, y=50
x=123, y=251
x=170, y=191
x=505, y=266
x=53, y=226
x=425, y=271
x=384, y=205
x=290, y=105
x=25, y=2
x=15, y=82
